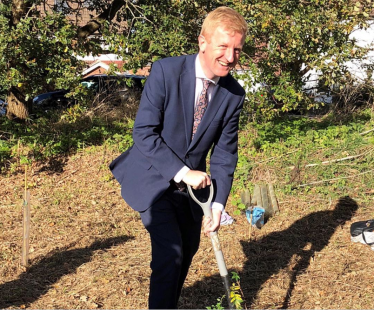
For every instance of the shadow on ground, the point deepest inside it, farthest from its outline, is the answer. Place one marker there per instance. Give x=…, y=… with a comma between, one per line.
x=40, y=277
x=270, y=254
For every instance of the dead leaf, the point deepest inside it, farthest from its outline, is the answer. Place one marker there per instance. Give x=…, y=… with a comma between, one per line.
x=83, y=298
x=93, y=305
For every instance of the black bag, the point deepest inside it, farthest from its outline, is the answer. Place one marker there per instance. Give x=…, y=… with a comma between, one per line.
x=359, y=229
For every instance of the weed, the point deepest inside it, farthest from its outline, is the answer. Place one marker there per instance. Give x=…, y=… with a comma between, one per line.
x=304, y=151
x=235, y=294
x=218, y=305
x=240, y=207
x=58, y=134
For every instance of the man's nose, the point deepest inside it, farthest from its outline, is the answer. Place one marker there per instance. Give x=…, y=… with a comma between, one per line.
x=230, y=55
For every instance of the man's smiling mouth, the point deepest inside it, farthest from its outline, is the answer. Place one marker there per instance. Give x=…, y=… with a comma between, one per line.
x=225, y=64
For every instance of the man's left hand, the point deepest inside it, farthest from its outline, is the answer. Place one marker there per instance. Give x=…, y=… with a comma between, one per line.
x=210, y=225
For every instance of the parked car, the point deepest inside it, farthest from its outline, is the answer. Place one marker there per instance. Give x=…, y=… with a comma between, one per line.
x=102, y=87
x=57, y=96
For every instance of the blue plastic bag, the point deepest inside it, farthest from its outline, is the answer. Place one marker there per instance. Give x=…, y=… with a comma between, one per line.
x=258, y=216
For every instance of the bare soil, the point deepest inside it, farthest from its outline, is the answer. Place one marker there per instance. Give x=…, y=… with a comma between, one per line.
x=89, y=250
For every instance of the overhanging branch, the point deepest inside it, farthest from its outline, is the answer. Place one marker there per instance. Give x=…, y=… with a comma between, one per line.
x=96, y=23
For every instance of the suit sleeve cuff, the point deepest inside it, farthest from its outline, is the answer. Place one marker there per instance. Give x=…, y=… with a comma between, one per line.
x=217, y=206
x=181, y=173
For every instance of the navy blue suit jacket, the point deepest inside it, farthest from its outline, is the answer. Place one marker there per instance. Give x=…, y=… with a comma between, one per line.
x=162, y=134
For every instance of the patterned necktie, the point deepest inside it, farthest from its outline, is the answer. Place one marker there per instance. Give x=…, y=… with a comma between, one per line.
x=201, y=106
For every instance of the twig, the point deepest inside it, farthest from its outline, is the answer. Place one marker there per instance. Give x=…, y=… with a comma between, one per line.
x=5, y=132
x=30, y=10
x=70, y=174
x=365, y=132
x=250, y=226
x=334, y=179
x=336, y=160
x=26, y=225
x=333, y=161
x=275, y=157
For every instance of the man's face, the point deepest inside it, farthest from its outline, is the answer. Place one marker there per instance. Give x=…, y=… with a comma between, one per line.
x=219, y=53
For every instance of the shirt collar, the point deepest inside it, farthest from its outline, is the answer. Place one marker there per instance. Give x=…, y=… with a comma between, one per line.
x=200, y=73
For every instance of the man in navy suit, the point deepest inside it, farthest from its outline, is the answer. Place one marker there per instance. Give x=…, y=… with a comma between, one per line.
x=169, y=152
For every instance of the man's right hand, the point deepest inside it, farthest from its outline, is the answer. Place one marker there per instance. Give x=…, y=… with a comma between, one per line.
x=196, y=179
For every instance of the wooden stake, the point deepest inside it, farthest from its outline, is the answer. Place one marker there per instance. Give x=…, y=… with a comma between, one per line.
x=265, y=202
x=257, y=200
x=250, y=226
x=246, y=198
x=26, y=224
x=273, y=199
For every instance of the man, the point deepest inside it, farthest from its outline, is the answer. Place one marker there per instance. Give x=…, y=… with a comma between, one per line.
x=172, y=137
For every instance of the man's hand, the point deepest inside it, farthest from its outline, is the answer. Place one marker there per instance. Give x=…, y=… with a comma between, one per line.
x=209, y=225
x=196, y=179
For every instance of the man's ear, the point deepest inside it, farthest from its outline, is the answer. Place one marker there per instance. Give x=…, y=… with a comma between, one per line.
x=202, y=43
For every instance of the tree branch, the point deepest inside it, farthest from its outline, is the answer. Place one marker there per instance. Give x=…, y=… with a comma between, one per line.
x=304, y=71
x=19, y=10
x=96, y=23
x=334, y=179
x=340, y=159
x=365, y=132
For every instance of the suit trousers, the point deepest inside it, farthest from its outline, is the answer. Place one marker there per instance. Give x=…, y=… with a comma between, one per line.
x=175, y=239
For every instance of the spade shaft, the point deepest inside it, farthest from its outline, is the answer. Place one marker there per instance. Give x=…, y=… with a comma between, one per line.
x=215, y=242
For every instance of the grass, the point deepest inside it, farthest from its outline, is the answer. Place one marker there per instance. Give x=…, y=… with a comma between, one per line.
x=89, y=250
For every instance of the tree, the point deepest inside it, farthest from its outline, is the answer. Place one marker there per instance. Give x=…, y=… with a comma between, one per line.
x=39, y=51
x=290, y=39
x=287, y=40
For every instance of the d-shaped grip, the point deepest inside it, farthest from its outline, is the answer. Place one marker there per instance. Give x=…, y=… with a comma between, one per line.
x=204, y=205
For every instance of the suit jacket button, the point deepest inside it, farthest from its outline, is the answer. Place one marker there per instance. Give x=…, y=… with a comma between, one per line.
x=187, y=156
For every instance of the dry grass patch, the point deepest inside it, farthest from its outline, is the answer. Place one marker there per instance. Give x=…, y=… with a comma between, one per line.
x=89, y=249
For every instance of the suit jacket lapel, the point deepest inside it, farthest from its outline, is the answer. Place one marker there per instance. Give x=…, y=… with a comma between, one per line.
x=187, y=94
